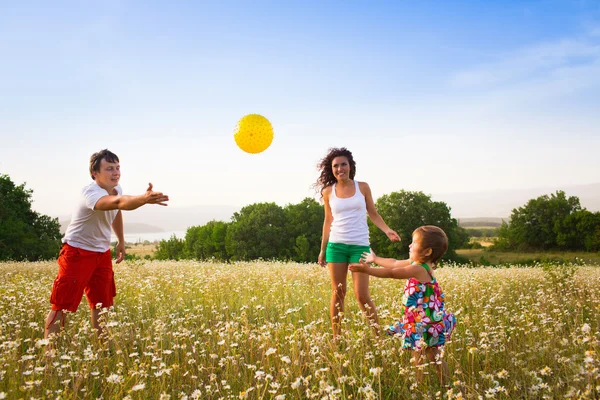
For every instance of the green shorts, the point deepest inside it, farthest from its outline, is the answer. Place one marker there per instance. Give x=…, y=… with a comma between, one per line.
x=344, y=253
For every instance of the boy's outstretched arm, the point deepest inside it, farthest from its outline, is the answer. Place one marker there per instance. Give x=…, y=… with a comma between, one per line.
x=125, y=202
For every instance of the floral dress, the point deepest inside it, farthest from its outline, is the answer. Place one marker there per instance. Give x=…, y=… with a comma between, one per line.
x=425, y=322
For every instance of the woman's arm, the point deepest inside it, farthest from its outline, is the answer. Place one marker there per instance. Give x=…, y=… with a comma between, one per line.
x=374, y=215
x=326, y=226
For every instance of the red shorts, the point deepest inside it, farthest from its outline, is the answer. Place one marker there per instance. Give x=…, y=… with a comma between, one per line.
x=82, y=270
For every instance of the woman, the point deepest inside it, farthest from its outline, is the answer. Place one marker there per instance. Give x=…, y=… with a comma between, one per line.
x=345, y=231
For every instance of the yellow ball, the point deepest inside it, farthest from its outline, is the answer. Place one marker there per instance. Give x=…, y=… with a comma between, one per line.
x=253, y=133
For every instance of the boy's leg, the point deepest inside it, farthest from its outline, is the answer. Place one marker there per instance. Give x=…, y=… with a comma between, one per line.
x=73, y=273
x=100, y=290
x=95, y=316
x=55, y=321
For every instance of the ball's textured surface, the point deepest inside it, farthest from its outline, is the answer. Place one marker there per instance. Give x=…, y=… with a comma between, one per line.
x=253, y=133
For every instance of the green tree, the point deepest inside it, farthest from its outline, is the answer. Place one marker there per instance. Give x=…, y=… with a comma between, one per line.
x=25, y=234
x=538, y=224
x=302, y=249
x=405, y=211
x=589, y=227
x=172, y=249
x=304, y=226
x=207, y=241
x=579, y=231
x=505, y=239
x=257, y=231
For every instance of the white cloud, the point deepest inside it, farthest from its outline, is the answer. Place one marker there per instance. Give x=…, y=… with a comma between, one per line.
x=534, y=80
x=594, y=30
x=530, y=63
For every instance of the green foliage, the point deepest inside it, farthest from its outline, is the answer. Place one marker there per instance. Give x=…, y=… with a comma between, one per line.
x=503, y=241
x=207, y=241
x=535, y=225
x=302, y=249
x=550, y=222
x=304, y=227
x=172, y=249
x=24, y=233
x=261, y=230
x=405, y=211
x=472, y=245
x=257, y=231
x=579, y=231
x=482, y=232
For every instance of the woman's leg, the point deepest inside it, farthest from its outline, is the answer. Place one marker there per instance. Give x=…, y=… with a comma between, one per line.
x=361, y=291
x=338, y=273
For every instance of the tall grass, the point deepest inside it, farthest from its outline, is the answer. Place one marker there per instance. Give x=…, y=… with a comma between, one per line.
x=260, y=330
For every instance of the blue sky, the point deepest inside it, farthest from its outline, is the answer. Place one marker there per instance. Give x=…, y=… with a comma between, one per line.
x=440, y=97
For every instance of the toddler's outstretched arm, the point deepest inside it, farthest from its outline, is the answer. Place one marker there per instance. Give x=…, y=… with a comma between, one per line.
x=401, y=272
x=384, y=262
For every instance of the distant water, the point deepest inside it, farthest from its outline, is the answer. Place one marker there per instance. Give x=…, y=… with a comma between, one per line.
x=150, y=236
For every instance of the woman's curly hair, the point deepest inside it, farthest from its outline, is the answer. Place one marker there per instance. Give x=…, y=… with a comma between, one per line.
x=327, y=178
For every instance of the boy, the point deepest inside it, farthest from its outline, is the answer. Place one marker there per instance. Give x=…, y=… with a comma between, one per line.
x=84, y=262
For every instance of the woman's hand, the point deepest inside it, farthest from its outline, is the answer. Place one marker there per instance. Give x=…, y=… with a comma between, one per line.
x=392, y=235
x=321, y=260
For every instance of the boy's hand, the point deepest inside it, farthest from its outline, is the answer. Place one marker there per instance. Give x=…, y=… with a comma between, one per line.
x=358, y=267
x=368, y=257
x=120, y=252
x=155, y=197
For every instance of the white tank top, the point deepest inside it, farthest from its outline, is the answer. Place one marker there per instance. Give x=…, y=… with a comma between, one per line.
x=349, y=224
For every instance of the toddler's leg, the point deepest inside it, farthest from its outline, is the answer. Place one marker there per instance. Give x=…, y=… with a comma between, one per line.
x=418, y=361
x=435, y=355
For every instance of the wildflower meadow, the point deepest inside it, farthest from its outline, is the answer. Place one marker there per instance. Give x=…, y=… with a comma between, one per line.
x=261, y=330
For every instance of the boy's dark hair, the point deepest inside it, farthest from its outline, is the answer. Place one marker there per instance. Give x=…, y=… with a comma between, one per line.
x=326, y=178
x=433, y=238
x=96, y=158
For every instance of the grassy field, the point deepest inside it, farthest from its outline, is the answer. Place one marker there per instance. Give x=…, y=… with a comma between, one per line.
x=141, y=250
x=500, y=257
x=260, y=330
x=474, y=255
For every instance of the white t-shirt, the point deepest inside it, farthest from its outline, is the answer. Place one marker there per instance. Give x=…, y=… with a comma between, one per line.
x=91, y=229
x=349, y=225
